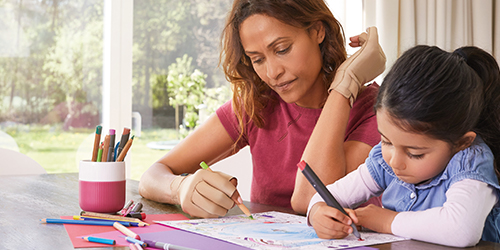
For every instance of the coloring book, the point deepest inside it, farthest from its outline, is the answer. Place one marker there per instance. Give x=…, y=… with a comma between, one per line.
x=274, y=230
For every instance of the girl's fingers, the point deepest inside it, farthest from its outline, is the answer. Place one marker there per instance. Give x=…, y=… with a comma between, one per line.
x=352, y=214
x=331, y=223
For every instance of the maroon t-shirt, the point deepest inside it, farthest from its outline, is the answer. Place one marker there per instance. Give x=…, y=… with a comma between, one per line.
x=278, y=146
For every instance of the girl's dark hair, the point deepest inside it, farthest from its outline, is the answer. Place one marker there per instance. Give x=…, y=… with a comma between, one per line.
x=250, y=93
x=445, y=95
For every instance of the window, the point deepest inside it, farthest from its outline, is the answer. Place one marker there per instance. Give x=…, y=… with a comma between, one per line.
x=69, y=65
x=176, y=81
x=50, y=78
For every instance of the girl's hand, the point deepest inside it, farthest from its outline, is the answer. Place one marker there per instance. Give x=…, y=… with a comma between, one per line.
x=376, y=218
x=329, y=222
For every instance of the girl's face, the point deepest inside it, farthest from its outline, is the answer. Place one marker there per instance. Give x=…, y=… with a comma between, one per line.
x=414, y=158
x=286, y=58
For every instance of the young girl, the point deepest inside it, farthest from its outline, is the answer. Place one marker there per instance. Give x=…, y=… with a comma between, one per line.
x=438, y=115
x=281, y=58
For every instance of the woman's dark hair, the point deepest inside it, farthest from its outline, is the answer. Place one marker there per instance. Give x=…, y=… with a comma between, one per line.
x=445, y=95
x=250, y=93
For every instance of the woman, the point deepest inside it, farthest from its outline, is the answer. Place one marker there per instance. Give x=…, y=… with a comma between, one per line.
x=281, y=58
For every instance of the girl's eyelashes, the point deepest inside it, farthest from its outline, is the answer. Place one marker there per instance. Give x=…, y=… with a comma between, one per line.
x=411, y=156
x=416, y=157
x=386, y=143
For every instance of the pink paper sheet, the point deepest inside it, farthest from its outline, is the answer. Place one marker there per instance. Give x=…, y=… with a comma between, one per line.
x=75, y=232
x=153, y=232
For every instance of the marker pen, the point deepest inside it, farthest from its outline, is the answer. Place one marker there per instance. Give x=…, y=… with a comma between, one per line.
x=161, y=245
x=125, y=208
x=123, y=141
x=325, y=194
x=111, y=145
x=137, y=207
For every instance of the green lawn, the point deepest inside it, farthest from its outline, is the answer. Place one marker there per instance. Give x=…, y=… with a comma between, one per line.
x=60, y=151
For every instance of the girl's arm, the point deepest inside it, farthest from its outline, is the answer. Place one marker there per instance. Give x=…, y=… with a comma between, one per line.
x=459, y=222
x=210, y=143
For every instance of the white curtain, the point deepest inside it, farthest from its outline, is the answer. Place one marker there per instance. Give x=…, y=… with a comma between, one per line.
x=350, y=14
x=448, y=24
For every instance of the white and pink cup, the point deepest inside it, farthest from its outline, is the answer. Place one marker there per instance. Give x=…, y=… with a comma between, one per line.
x=102, y=186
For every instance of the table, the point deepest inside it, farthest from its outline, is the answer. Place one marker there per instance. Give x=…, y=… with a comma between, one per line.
x=26, y=199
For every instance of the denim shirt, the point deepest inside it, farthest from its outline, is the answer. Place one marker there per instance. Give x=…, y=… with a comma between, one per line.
x=474, y=162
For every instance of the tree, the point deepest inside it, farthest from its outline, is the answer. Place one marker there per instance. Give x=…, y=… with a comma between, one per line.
x=167, y=29
x=185, y=89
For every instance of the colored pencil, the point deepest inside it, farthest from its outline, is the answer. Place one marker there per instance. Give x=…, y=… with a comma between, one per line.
x=240, y=205
x=132, y=246
x=132, y=223
x=125, y=149
x=99, y=240
x=136, y=241
x=139, y=247
x=109, y=216
x=97, y=139
x=85, y=222
x=99, y=152
x=126, y=231
x=120, y=218
x=105, y=148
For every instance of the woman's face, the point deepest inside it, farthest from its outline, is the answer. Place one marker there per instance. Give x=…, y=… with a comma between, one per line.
x=286, y=58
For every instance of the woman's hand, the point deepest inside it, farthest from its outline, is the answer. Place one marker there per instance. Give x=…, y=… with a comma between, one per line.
x=376, y=218
x=357, y=41
x=331, y=223
x=363, y=66
x=205, y=193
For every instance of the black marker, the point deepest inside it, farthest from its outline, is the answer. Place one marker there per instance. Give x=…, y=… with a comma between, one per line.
x=325, y=194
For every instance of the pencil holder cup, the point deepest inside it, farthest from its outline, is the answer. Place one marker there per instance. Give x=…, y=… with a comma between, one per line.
x=101, y=186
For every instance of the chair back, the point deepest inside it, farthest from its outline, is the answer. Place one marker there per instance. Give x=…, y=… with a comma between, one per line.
x=6, y=141
x=16, y=163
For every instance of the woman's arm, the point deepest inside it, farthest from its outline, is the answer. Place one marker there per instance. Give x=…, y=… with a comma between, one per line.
x=326, y=152
x=210, y=143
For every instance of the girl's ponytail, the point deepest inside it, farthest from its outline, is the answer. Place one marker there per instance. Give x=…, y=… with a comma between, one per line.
x=488, y=126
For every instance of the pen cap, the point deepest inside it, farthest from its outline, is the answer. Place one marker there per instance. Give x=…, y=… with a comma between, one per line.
x=138, y=215
x=102, y=186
